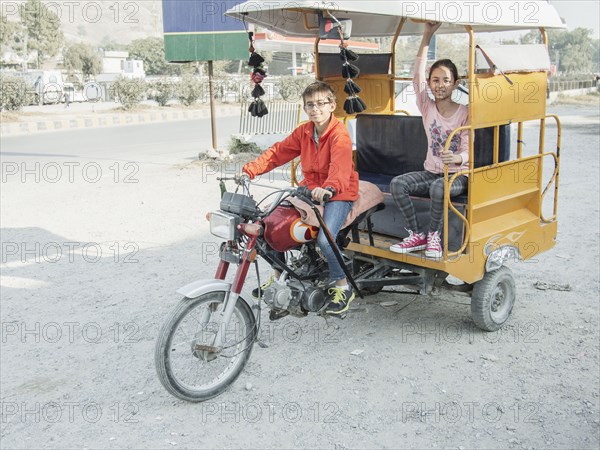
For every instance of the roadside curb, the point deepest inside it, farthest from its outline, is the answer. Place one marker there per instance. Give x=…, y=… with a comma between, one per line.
x=108, y=120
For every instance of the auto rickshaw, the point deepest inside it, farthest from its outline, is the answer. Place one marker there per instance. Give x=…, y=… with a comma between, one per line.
x=501, y=216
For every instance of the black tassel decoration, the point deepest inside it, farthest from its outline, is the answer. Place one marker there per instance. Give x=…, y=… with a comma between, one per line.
x=258, y=91
x=351, y=88
x=252, y=109
x=354, y=105
x=261, y=108
x=348, y=106
x=350, y=70
x=257, y=108
x=359, y=106
x=255, y=60
x=348, y=55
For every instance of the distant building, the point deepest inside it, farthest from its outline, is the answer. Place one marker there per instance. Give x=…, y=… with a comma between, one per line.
x=134, y=68
x=112, y=61
x=117, y=63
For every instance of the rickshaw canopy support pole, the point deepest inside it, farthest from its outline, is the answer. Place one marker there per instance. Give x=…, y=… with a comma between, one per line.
x=496, y=143
x=316, y=50
x=398, y=30
x=544, y=36
x=519, y=140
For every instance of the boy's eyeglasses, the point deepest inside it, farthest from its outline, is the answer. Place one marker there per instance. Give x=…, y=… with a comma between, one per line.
x=311, y=105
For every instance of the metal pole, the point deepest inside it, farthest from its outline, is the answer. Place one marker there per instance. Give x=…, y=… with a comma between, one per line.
x=294, y=62
x=213, y=118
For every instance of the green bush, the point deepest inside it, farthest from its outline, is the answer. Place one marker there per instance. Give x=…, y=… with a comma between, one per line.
x=129, y=91
x=237, y=146
x=189, y=90
x=161, y=91
x=13, y=93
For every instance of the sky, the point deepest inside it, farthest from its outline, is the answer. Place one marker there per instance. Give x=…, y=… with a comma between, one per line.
x=584, y=14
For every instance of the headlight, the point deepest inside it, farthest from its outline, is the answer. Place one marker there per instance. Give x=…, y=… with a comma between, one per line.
x=224, y=225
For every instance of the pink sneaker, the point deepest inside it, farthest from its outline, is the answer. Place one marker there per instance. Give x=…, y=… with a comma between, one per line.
x=414, y=242
x=434, y=245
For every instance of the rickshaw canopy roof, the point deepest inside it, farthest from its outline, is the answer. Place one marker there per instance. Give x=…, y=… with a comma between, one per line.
x=381, y=18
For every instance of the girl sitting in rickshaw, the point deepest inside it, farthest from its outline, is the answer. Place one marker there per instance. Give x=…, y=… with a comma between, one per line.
x=440, y=117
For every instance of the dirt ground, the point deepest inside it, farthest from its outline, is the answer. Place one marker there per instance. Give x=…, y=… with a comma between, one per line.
x=90, y=270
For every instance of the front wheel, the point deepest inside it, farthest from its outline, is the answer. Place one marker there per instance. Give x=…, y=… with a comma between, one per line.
x=187, y=363
x=493, y=299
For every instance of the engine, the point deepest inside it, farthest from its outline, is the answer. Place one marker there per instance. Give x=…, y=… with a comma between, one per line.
x=296, y=297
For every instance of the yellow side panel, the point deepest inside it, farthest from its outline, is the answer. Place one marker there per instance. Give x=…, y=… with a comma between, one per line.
x=377, y=93
x=504, y=181
x=494, y=100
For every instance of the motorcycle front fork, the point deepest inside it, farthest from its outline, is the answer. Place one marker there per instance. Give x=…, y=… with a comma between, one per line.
x=231, y=297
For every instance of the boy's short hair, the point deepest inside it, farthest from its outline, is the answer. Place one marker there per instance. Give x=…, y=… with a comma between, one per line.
x=319, y=87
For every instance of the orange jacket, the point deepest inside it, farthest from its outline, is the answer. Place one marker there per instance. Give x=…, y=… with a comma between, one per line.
x=328, y=166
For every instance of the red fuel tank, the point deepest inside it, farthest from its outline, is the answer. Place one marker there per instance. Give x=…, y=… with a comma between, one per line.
x=284, y=230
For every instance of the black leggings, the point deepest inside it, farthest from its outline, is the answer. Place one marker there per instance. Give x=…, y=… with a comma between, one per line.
x=423, y=183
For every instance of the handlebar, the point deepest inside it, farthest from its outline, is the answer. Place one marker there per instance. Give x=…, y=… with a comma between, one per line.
x=302, y=192
x=241, y=180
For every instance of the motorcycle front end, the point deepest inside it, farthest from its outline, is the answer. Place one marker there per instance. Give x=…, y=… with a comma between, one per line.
x=206, y=341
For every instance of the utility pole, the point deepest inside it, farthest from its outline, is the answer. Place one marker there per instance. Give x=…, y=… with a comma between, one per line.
x=213, y=114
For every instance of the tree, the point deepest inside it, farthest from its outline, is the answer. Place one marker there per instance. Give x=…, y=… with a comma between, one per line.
x=82, y=58
x=43, y=29
x=571, y=51
x=596, y=56
x=11, y=34
x=152, y=52
x=108, y=44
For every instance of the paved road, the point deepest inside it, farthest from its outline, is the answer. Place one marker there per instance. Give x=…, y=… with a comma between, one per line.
x=157, y=143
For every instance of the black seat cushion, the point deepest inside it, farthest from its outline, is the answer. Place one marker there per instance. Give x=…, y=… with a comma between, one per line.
x=392, y=145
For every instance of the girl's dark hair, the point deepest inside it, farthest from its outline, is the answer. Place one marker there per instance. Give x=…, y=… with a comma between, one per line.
x=447, y=64
x=319, y=86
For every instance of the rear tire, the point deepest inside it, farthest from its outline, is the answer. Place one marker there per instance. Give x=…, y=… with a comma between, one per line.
x=493, y=299
x=371, y=290
x=181, y=367
x=361, y=268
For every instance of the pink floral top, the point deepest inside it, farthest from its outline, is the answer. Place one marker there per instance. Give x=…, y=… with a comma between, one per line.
x=438, y=127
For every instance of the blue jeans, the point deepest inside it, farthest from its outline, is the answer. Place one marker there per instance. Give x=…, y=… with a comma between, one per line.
x=335, y=215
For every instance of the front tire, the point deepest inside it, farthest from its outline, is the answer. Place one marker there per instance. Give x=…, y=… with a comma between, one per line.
x=493, y=299
x=186, y=370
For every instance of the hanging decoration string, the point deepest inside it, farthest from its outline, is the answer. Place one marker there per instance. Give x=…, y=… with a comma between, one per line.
x=257, y=108
x=353, y=104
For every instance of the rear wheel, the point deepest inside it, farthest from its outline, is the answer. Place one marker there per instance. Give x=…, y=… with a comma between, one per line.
x=188, y=365
x=493, y=299
x=368, y=270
